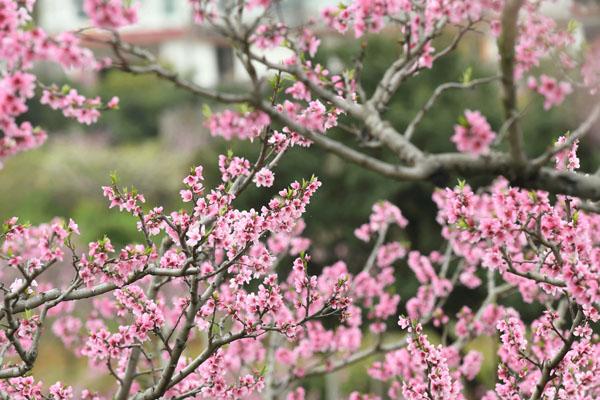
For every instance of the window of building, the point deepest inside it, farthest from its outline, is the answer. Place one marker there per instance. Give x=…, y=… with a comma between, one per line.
x=169, y=6
x=225, y=62
x=79, y=8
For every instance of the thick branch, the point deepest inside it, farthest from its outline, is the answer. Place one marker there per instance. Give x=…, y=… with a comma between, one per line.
x=79, y=294
x=507, y=41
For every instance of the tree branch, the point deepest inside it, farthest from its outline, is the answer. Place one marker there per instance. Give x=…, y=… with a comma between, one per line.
x=558, y=357
x=510, y=17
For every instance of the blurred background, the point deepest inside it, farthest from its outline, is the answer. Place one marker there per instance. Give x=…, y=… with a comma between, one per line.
x=158, y=134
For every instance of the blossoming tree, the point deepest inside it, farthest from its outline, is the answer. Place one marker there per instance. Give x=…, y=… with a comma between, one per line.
x=202, y=306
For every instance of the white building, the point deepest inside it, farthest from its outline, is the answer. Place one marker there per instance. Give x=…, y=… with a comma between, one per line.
x=155, y=15
x=166, y=27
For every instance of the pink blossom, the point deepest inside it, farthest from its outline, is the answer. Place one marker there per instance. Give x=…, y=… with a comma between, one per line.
x=474, y=135
x=111, y=13
x=264, y=177
x=554, y=92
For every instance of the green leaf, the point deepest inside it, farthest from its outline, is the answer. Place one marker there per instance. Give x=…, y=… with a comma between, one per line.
x=102, y=242
x=28, y=26
x=467, y=75
x=244, y=108
x=206, y=111
x=533, y=195
x=350, y=73
x=275, y=81
x=572, y=26
x=462, y=224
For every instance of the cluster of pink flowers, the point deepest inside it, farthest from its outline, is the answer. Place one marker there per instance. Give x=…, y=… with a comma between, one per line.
x=15, y=90
x=567, y=159
x=314, y=116
x=498, y=228
x=111, y=13
x=128, y=200
x=232, y=167
x=68, y=329
x=98, y=266
x=264, y=177
x=369, y=15
x=195, y=187
x=310, y=114
x=590, y=70
x=21, y=47
x=518, y=372
x=422, y=370
x=289, y=242
x=282, y=306
x=74, y=105
x=251, y=311
x=433, y=287
x=384, y=213
x=22, y=388
x=230, y=124
x=269, y=37
x=202, y=10
x=282, y=140
x=474, y=134
x=147, y=314
x=308, y=42
x=60, y=392
x=34, y=246
x=554, y=92
x=538, y=37
x=211, y=273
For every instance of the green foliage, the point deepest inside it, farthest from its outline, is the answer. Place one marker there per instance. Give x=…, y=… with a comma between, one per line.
x=142, y=100
x=66, y=180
